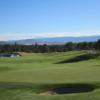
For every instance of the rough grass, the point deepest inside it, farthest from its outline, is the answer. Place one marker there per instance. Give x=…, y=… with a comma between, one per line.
x=23, y=77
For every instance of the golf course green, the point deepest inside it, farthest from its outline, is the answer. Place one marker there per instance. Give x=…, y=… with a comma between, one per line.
x=73, y=75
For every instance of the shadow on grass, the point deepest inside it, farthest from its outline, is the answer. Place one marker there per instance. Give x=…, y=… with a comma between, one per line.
x=73, y=88
x=79, y=58
x=49, y=88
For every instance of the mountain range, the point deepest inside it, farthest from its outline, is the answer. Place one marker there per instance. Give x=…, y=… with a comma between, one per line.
x=55, y=40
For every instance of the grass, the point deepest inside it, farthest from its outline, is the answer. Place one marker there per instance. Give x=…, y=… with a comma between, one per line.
x=22, y=78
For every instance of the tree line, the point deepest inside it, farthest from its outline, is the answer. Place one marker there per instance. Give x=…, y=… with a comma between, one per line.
x=37, y=48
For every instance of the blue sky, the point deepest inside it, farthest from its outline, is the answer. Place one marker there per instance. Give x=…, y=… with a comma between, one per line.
x=48, y=18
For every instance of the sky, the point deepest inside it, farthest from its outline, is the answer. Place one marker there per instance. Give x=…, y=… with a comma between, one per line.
x=21, y=19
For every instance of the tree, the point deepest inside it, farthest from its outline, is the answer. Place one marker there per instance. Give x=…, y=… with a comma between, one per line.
x=70, y=46
x=97, y=45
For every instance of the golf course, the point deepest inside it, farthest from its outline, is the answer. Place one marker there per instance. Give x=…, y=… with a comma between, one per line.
x=72, y=75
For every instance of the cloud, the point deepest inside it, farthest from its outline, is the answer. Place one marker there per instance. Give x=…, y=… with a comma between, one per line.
x=17, y=36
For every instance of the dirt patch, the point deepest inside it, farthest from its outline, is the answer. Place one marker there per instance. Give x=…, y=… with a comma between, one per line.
x=69, y=89
x=48, y=93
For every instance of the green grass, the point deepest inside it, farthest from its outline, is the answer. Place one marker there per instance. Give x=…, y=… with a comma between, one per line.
x=22, y=78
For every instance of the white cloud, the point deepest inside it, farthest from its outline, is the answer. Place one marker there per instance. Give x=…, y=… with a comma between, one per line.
x=17, y=36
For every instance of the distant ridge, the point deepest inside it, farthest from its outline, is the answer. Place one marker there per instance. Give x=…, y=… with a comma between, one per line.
x=56, y=40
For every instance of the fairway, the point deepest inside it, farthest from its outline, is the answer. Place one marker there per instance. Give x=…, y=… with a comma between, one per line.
x=31, y=75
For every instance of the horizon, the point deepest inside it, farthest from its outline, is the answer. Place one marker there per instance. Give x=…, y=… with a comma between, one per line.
x=57, y=37
x=14, y=37
x=23, y=19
